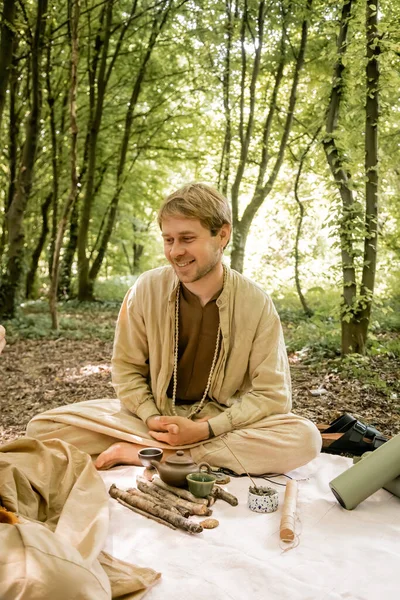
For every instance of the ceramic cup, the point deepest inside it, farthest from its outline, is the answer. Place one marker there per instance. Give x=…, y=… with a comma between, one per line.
x=201, y=483
x=147, y=454
x=263, y=503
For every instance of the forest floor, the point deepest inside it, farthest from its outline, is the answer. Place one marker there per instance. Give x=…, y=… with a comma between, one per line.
x=40, y=374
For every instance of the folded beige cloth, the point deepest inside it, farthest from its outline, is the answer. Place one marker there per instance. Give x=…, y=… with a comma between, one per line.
x=56, y=552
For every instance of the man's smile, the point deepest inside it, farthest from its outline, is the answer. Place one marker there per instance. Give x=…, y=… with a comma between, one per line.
x=184, y=264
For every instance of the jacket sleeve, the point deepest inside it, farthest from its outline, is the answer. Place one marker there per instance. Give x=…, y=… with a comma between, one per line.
x=268, y=369
x=130, y=361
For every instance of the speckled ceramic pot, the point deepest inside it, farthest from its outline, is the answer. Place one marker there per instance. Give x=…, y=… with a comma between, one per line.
x=263, y=503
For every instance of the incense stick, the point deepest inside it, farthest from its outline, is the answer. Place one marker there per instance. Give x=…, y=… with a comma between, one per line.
x=245, y=470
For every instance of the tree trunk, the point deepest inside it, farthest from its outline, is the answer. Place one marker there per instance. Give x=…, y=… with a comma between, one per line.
x=223, y=175
x=6, y=49
x=56, y=149
x=55, y=270
x=343, y=181
x=137, y=256
x=307, y=310
x=15, y=259
x=239, y=238
x=371, y=172
x=84, y=289
x=30, y=278
x=13, y=145
x=65, y=284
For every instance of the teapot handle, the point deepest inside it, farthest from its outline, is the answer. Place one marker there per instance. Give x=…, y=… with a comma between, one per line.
x=206, y=465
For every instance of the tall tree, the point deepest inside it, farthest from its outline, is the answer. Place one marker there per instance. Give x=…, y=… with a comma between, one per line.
x=255, y=143
x=16, y=256
x=74, y=11
x=6, y=49
x=158, y=23
x=356, y=308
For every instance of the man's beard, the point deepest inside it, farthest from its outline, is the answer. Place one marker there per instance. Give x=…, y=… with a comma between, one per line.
x=201, y=271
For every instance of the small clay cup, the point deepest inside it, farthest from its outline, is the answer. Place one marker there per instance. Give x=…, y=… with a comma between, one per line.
x=201, y=483
x=146, y=455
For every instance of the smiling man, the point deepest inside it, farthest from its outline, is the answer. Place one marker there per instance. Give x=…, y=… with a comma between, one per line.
x=199, y=360
x=199, y=352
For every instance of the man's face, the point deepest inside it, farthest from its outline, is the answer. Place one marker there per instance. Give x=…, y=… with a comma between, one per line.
x=191, y=249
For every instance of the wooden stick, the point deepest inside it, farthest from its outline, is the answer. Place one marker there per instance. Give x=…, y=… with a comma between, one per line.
x=150, y=488
x=145, y=514
x=218, y=492
x=155, y=500
x=185, y=494
x=287, y=526
x=156, y=510
x=158, y=499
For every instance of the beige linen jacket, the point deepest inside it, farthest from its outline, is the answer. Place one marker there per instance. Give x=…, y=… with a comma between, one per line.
x=251, y=379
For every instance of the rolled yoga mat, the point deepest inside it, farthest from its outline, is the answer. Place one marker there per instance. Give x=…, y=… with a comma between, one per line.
x=391, y=486
x=368, y=475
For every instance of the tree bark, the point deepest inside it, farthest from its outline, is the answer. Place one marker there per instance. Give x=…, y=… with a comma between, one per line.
x=157, y=511
x=55, y=269
x=193, y=507
x=224, y=170
x=181, y=492
x=371, y=172
x=158, y=499
x=84, y=292
x=65, y=281
x=307, y=310
x=30, y=278
x=15, y=259
x=350, y=341
x=6, y=49
x=146, y=514
x=56, y=147
x=13, y=145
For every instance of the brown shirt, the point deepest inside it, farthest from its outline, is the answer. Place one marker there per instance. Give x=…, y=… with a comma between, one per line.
x=198, y=327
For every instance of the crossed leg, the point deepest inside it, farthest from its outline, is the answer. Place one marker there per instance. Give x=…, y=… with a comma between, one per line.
x=277, y=444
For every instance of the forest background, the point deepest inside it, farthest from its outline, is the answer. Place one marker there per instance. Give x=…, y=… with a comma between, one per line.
x=290, y=108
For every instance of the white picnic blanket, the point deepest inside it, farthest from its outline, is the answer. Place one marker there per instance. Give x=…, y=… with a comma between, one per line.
x=352, y=555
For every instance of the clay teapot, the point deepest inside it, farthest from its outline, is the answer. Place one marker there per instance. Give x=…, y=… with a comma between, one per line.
x=174, y=470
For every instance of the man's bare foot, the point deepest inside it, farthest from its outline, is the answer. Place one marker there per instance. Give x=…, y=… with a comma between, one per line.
x=123, y=453
x=120, y=453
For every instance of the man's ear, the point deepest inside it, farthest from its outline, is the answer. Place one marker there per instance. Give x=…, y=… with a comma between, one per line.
x=225, y=233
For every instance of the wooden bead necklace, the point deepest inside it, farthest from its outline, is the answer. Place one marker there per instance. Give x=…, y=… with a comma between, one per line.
x=198, y=408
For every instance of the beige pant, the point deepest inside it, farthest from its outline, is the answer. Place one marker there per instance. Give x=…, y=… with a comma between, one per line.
x=276, y=444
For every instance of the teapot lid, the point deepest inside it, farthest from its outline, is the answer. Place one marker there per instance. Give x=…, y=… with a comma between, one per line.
x=180, y=458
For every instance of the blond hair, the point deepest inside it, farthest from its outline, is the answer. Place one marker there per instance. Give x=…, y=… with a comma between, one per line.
x=198, y=201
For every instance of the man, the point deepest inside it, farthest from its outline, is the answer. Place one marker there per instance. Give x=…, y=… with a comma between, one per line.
x=199, y=360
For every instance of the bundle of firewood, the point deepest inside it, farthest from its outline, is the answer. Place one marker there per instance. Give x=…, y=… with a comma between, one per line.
x=169, y=505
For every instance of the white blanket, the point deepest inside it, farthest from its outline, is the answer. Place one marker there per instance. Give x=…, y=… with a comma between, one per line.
x=341, y=554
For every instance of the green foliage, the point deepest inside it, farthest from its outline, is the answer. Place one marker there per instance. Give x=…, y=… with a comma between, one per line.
x=113, y=289
x=178, y=134
x=77, y=321
x=319, y=337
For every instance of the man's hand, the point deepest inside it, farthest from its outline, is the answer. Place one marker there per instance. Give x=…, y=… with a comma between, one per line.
x=2, y=338
x=177, y=431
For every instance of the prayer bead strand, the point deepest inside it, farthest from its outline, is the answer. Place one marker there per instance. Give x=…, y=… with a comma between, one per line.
x=192, y=413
